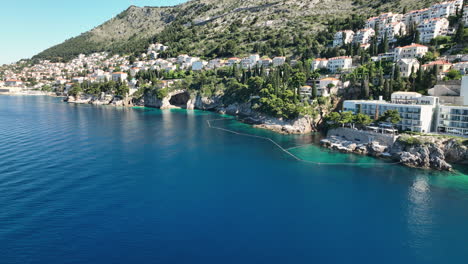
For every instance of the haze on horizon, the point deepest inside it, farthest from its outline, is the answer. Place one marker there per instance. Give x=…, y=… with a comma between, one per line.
x=31, y=26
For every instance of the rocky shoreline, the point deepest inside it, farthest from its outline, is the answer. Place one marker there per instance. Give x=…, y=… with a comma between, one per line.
x=244, y=111
x=414, y=151
x=430, y=152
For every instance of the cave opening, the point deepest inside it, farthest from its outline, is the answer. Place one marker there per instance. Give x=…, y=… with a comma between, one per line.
x=180, y=100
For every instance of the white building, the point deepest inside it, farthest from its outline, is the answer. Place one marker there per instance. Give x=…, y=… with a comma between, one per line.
x=328, y=86
x=392, y=30
x=278, y=61
x=232, y=61
x=444, y=9
x=119, y=76
x=416, y=111
x=265, y=62
x=461, y=66
x=343, y=37
x=415, y=16
x=339, y=63
x=408, y=66
x=453, y=120
x=13, y=83
x=319, y=63
x=198, y=65
x=410, y=51
x=363, y=36
x=431, y=28
x=380, y=21
x=215, y=63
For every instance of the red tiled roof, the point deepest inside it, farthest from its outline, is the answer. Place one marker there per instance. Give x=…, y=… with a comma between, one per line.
x=340, y=57
x=412, y=45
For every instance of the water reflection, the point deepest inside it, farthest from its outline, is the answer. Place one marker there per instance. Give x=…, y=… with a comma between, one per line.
x=419, y=217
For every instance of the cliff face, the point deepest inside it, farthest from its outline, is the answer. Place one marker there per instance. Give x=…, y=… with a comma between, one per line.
x=244, y=111
x=430, y=151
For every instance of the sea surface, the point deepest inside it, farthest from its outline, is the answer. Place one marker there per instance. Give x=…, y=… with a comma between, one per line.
x=100, y=184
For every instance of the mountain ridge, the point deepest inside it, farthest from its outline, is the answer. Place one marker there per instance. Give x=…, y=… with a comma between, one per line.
x=213, y=23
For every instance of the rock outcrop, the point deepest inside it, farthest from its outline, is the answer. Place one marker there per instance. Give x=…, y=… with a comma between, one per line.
x=434, y=152
x=301, y=125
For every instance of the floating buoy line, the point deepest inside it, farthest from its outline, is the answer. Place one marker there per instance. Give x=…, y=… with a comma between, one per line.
x=209, y=122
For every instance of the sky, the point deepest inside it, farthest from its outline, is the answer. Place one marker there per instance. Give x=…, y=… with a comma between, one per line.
x=28, y=27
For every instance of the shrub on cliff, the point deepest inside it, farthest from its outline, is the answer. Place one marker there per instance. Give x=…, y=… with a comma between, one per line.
x=410, y=140
x=161, y=93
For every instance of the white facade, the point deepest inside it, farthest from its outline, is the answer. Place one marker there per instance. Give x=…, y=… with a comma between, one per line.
x=392, y=30
x=232, y=61
x=461, y=66
x=453, y=120
x=323, y=88
x=13, y=83
x=339, y=63
x=343, y=37
x=319, y=64
x=417, y=114
x=410, y=51
x=119, y=76
x=198, y=65
x=277, y=61
x=363, y=36
x=431, y=28
x=406, y=66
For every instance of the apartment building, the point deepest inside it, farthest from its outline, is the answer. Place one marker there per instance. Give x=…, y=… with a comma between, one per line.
x=363, y=36
x=431, y=28
x=339, y=63
x=453, y=120
x=343, y=37
x=410, y=51
x=416, y=111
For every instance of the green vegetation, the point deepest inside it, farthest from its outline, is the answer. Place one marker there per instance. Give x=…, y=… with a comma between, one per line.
x=110, y=87
x=335, y=119
x=410, y=140
x=391, y=116
x=238, y=28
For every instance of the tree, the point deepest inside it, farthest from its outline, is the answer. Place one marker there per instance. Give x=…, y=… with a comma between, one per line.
x=390, y=116
x=333, y=118
x=346, y=118
x=453, y=75
x=314, y=90
x=75, y=90
x=459, y=34
x=365, y=88
x=362, y=119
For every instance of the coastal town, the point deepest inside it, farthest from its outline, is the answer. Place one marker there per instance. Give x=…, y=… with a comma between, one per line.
x=444, y=109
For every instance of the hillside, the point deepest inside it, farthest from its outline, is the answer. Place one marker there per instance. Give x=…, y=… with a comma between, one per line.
x=211, y=28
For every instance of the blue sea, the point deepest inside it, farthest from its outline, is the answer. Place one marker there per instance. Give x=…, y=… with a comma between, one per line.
x=102, y=184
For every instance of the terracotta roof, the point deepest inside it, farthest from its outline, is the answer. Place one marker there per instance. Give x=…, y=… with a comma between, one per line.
x=340, y=57
x=412, y=45
x=329, y=79
x=438, y=62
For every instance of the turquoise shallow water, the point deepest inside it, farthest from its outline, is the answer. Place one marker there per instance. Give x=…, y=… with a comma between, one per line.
x=87, y=184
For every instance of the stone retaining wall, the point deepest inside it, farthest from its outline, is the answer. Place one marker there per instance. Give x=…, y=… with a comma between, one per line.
x=360, y=136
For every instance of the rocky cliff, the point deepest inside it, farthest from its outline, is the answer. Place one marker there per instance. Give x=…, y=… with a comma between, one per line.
x=244, y=111
x=435, y=152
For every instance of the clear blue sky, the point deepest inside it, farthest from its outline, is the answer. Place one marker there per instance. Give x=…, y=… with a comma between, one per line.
x=30, y=26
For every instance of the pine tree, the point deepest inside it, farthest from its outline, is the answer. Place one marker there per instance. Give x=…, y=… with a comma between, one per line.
x=365, y=88
x=314, y=90
x=459, y=34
